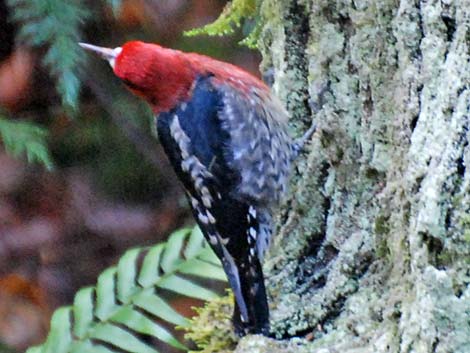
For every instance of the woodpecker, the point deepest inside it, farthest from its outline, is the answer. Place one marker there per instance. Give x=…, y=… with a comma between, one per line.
x=226, y=137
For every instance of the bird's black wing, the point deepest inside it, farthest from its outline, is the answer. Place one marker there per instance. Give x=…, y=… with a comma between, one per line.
x=198, y=148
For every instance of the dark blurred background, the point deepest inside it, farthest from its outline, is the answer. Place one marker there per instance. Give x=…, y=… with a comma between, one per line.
x=111, y=187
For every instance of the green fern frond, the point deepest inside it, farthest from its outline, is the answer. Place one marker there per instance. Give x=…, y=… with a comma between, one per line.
x=21, y=137
x=126, y=302
x=55, y=24
x=231, y=18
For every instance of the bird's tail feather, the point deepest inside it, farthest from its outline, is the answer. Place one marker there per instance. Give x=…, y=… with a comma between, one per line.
x=235, y=240
x=254, y=298
x=251, y=313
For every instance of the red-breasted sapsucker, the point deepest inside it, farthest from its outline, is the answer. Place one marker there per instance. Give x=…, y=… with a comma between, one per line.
x=226, y=137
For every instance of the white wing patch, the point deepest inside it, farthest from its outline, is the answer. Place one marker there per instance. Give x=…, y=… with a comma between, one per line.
x=259, y=236
x=199, y=174
x=190, y=163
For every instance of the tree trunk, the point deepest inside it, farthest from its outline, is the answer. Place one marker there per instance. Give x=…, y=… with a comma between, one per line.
x=373, y=249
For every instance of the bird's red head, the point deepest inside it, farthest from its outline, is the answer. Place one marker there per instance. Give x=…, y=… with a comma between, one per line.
x=165, y=77
x=159, y=75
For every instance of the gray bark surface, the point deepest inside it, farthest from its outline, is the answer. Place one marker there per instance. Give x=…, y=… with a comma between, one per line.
x=373, y=249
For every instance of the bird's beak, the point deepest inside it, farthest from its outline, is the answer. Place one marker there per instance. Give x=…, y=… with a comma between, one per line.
x=106, y=53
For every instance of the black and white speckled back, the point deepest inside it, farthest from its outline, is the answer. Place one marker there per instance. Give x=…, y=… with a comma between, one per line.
x=261, y=148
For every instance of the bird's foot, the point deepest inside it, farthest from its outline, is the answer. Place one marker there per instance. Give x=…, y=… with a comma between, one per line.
x=299, y=144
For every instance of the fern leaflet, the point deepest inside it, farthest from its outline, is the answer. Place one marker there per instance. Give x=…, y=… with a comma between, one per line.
x=231, y=18
x=126, y=302
x=21, y=137
x=54, y=23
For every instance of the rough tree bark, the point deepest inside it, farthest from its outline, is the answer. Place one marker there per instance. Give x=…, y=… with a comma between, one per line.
x=373, y=248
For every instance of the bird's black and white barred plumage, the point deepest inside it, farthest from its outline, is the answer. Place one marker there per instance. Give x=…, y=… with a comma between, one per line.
x=233, y=158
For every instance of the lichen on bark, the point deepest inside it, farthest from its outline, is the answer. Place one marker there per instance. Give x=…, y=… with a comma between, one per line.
x=372, y=247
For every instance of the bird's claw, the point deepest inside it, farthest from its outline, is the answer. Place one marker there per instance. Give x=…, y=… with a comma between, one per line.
x=299, y=144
